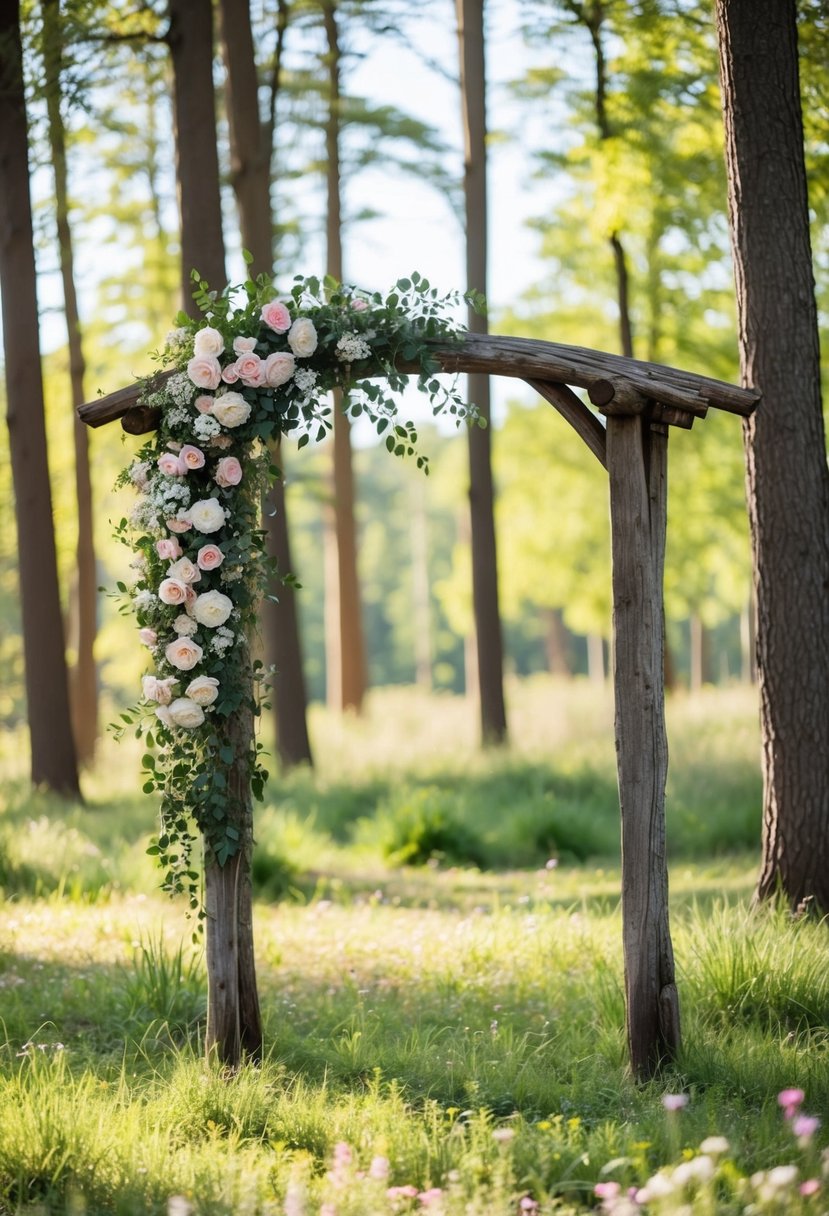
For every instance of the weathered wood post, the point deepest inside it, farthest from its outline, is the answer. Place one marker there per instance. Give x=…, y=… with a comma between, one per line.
x=637, y=452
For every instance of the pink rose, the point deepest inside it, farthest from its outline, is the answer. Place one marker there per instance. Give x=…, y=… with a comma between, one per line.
x=243, y=346
x=359, y=305
x=278, y=368
x=184, y=570
x=204, y=404
x=230, y=374
x=160, y=691
x=172, y=591
x=179, y=525
x=228, y=472
x=209, y=557
x=249, y=367
x=276, y=316
x=205, y=371
x=169, y=549
x=170, y=464
x=148, y=637
x=191, y=457
x=190, y=596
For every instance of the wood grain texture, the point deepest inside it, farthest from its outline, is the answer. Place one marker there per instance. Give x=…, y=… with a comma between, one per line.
x=637, y=467
x=531, y=360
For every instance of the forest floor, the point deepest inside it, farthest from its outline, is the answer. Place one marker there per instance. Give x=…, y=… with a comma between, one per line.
x=439, y=958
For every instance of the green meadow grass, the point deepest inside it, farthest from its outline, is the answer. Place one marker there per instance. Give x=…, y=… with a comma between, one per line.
x=454, y=1027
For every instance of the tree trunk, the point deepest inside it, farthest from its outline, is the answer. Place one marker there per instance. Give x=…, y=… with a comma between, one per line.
x=699, y=653
x=470, y=18
x=787, y=477
x=637, y=466
x=595, y=659
x=421, y=600
x=197, y=159
x=83, y=677
x=54, y=761
x=251, y=154
x=345, y=659
x=556, y=643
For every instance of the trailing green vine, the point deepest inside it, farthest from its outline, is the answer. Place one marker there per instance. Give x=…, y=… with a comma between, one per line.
x=252, y=367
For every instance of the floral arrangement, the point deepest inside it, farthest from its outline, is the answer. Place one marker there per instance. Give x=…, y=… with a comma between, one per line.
x=252, y=367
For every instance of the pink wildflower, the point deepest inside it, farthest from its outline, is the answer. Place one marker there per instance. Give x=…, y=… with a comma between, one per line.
x=433, y=1195
x=810, y=1187
x=606, y=1190
x=675, y=1101
x=790, y=1100
x=528, y=1204
x=401, y=1192
x=805, y=1126
x=379, y=1167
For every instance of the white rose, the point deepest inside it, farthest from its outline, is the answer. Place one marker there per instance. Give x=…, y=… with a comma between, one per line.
x=206, y=515
x=163, y=715
x=208, y=342
x=183, y=653
x=184, y=570
x=231, y=409
x=302, y=337
x=158, y=690
x=203, y=690
x=184, y=712
x=184, y=625
x=212, y=609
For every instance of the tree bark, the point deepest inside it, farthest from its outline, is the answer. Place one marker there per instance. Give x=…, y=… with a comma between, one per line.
x=53, y=761
x=787, y=477
x=251, y=154
x=637, y=466
x=197, y=159
x=345, y=644
x=83, y=676
x=490, y=662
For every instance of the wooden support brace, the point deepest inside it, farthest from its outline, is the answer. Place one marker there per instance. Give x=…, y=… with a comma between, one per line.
x=637, y=467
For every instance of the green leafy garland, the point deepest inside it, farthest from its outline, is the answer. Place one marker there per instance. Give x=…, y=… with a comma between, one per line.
x=254, y=366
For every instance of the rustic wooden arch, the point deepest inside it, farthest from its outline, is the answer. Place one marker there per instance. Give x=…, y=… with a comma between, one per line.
x=640, y=402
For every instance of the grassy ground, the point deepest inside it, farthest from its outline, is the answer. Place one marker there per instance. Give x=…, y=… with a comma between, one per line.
x=445, y=1036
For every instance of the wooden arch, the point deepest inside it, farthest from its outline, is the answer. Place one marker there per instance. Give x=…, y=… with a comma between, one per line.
x=640, y=402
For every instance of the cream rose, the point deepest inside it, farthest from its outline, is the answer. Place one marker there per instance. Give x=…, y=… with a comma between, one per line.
x=148, y=637
x=206, y=515
x=172, y=591
x=243, y=346
x=208, y=342
x=179, y=525
x=203, y=690
x=157, y=690
x=185, y=712
x=212, y=609
x=228, y=472
x=276, y=316
x=184, y=570
x=183, y=653
x=279, y=368
x=231, y=409
x=205, y=371
x=302, y=337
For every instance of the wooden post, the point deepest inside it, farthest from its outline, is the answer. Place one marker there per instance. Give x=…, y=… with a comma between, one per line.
x=637, y=465
x=234, y=1024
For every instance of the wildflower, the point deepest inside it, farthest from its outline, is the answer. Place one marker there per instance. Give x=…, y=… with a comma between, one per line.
x=379, y=1167
x=810, y=1187
x=675, y=1101
x=698, y=1169
x=528, y=1204
x=804, y=1127
x=790, y=1100
x=658, y=1187
x=401, y=1192
x=606, y=1190
x=503, y=1135
x=432, y=1196
x=715, y=1145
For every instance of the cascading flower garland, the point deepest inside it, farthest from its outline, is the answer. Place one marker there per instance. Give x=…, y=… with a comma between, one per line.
x=239, y=376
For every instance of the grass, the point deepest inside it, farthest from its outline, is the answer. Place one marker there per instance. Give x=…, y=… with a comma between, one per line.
x=449, y=1028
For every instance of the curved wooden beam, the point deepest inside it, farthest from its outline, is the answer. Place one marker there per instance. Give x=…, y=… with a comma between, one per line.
x=577, y=414
x=544, y=362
